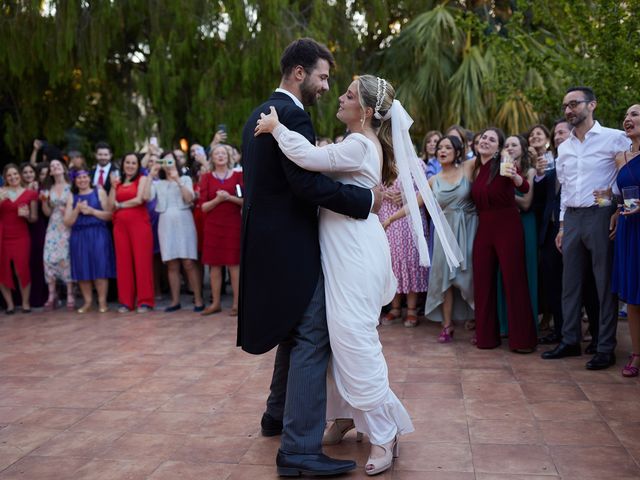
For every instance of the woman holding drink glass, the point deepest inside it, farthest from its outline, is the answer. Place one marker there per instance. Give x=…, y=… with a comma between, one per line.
x=625, y=281
x=539, y=140
x=499, y=243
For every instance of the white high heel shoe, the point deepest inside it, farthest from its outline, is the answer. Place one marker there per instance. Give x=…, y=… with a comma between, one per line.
x=381, y=464
x=338, y=429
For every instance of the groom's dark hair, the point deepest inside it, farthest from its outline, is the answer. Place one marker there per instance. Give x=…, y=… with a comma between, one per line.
x=304, y=52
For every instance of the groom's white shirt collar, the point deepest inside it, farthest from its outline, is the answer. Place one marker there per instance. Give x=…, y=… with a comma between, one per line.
x=293, y=97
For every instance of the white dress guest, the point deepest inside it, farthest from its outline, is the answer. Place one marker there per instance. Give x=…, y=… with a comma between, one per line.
x=176, y=228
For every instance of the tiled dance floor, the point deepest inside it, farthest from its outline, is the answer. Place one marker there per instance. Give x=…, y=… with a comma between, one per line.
x=169, y=396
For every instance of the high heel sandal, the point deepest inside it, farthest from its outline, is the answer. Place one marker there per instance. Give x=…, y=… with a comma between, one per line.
x=446, y=335
x=51, y=304
x=381, y=464
x=390, y=318
x=629, y=369
x=411, y=319
x=338, y=429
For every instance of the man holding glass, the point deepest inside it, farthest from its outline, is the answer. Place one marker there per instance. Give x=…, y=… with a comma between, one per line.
x=586, y=169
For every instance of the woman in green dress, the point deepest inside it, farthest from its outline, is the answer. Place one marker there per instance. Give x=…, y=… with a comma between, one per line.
x=517, y=148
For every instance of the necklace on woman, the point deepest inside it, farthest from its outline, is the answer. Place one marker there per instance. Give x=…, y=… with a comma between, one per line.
x=12, y=194
x=224, y=177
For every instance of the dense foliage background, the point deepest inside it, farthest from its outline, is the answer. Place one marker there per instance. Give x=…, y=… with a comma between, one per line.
x=78, y=71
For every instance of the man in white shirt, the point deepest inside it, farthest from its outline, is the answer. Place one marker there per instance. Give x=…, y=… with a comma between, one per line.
x=100, y=174
x=585, y=165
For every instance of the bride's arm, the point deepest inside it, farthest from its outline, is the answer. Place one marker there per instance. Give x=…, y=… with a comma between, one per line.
x=346, y=156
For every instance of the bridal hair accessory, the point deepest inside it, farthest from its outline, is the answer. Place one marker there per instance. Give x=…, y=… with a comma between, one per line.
x=381, y=92
x=410, y=173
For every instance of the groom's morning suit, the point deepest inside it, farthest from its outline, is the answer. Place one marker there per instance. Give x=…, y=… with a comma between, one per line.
x=281, y=286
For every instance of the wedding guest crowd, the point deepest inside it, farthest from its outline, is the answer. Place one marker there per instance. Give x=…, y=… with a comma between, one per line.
x=545, y=236
x=549, y=241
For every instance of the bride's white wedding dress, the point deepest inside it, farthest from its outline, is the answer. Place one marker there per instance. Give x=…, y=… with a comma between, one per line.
x=356, y=263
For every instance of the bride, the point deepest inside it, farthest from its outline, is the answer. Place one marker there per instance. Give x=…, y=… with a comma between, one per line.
x=356, y=261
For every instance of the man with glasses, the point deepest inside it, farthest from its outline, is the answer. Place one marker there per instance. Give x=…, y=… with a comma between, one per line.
x=586, y=170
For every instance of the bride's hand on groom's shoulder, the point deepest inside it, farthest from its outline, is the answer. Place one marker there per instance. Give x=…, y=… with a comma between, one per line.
x=267, y=123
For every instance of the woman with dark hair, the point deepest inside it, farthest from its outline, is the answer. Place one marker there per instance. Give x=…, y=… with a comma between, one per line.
x=57, y=261
x=28, y=175
x=626, y=265
x=18, y=205
x=92, y=260
x=517, y=148
x=221, y=202
x=37, y=232
x=499, y=244
x=461, y=133
x=176, y=229
x=539, y=139
x=450, y=294
x=132, y=237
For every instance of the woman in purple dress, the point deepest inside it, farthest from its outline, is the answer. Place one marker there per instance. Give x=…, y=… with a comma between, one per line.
x=92, y=259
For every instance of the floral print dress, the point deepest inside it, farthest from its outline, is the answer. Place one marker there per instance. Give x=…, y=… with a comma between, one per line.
x=57, y=263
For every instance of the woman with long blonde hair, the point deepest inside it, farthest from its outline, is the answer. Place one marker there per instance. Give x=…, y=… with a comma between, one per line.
x=356, y=261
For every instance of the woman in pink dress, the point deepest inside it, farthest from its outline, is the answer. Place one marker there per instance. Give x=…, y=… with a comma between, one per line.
x=412, y=278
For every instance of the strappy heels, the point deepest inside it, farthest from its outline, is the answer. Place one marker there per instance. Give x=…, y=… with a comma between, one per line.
x=392, y=316
x=630, y=370
x=338, y=429
x=52, y=304
x=384, y=463
x=446, y=335
x=411, y=319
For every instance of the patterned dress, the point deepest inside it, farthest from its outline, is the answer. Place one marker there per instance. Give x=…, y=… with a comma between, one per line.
x=57, y=263
x=405, y=260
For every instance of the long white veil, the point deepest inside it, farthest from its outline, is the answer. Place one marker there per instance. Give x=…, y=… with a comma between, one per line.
x=411, y=172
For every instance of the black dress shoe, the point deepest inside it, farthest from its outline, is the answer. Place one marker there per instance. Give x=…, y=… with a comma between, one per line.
x=591, y=349
x=549, y=339
x=600, y=361
x=296, y=464
x=270, y=426
x=562, y=350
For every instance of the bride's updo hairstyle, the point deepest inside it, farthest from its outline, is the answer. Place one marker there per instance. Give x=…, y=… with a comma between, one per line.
x=378, y=94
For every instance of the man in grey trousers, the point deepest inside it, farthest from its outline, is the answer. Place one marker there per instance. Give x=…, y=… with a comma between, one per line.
x=282, y=300
x=586, y=170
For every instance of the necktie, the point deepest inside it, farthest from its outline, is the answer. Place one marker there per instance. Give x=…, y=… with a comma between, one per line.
x=101, y=178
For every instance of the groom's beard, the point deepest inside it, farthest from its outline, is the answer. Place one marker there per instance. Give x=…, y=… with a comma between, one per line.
x=308, y=94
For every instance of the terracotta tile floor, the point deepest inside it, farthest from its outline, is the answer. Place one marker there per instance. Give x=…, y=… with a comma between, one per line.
x=169, y=396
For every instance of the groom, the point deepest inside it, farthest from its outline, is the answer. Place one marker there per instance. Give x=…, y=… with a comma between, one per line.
x=281, y=284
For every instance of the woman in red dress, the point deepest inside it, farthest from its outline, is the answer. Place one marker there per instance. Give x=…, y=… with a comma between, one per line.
x=132, y=237
x=18, y=205
x=499, y=243
x=221, y=202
